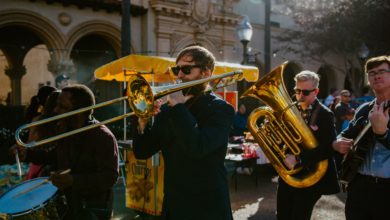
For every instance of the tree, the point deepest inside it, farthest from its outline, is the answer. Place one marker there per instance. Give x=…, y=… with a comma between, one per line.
x=339, y=26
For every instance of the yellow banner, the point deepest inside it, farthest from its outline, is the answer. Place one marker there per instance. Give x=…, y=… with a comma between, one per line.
x=144, y=184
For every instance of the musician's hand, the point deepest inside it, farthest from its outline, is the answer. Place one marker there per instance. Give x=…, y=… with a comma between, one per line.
x=177, y=97
x=379, y=118
x=142, y=122
x=290, y=161
x=61, y=181
x=157, y=106
x=342, y=145
x=22, y=152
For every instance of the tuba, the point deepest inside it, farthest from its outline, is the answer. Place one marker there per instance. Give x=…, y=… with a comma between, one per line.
x=279, y=129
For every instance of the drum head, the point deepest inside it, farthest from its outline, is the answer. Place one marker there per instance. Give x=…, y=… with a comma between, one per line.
x=12, y=203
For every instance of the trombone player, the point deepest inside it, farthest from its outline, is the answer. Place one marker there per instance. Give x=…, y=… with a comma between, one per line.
x=192, y=132
x=297, y=203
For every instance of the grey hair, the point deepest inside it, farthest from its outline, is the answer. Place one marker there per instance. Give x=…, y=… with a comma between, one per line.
x=308, y=75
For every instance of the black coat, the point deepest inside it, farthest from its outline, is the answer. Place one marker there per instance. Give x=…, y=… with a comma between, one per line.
x=193, y=139
x=323, y=128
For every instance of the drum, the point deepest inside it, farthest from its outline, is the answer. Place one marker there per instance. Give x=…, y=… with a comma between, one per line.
x=35, y=199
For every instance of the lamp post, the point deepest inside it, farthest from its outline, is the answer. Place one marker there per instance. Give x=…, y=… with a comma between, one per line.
x=363, y=54
x=244, y=32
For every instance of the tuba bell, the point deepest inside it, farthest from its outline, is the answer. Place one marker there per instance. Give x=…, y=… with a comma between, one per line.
x=279, y=129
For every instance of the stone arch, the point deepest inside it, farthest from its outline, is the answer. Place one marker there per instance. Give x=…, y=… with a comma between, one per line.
x=292, y=68
x=105, y=29
x=326, y=73
x=44, y=28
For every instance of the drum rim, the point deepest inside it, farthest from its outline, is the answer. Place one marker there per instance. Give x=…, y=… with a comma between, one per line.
x=32, y=209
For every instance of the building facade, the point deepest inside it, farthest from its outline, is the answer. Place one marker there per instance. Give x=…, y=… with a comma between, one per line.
x=41, y=39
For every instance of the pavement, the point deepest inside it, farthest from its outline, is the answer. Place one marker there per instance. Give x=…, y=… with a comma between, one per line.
x=249, y=202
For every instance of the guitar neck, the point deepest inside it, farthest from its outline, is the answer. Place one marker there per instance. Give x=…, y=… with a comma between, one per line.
x=361, y=134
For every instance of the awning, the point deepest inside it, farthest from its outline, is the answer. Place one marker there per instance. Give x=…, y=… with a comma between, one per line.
x=155, y=69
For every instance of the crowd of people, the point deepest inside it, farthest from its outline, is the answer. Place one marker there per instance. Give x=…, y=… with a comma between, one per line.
x=192, y=130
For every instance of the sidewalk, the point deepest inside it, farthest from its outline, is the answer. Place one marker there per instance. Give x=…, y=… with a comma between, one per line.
x=248, y=202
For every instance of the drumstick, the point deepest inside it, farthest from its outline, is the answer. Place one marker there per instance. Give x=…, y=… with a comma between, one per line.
x=39, y=184
x=18, y=164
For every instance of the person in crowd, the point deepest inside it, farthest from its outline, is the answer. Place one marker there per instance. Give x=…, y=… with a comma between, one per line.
x=37, y=133
x=92, y=157
x=62, y=81
x=335, y=102
x=368, y=193
x=366, y=97
x=33, y=111
x=192, y=132
x=239, y=122
x=37, y=102
x=349, y=117
x=341, y=110
x=297, y=203
x=329, y=100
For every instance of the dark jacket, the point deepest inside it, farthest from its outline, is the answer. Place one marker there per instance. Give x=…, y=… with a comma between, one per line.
x=351, y=167
x=357, y=123
x=323, y=128
x=92, y=157
x=193, y=139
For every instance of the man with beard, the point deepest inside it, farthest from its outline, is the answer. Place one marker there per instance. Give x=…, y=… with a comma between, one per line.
x=192, y=132
x=92, y=157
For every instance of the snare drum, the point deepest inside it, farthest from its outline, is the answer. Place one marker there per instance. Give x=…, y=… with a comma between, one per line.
x=40, y=203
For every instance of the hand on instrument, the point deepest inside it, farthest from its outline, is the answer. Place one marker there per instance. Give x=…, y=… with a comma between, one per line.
x=22, y=151
x=61, y=181
x=290, y=161
x=142, y=122
x=342, y=145
x=379, y=118
x=177, y=97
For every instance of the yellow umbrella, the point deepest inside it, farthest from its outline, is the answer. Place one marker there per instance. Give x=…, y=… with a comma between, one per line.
x=156, y=69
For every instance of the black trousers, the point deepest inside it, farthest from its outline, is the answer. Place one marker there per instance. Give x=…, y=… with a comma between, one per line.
x=367, y=199
x=98, y=207
x=295, y=203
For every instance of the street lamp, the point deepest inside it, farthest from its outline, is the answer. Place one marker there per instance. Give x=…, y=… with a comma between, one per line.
x=244, y=32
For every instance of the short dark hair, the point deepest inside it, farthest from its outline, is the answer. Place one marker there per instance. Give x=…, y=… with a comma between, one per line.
x=44, y=92
x=376, y=61
x=200, y=55
x=81, y=97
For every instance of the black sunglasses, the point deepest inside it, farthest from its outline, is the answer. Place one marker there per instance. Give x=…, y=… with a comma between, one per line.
x=303, y=91
x=186, y=69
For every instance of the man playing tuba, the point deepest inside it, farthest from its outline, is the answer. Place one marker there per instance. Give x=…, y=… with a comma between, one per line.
x=297, y=203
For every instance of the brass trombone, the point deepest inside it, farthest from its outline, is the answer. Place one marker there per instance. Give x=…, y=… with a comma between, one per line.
x=140, y=96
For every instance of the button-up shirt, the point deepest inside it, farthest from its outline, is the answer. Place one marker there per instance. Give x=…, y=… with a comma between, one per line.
x=377, y=163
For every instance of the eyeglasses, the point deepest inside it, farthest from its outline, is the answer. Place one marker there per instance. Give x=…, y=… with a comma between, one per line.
x=378, y=73
x=186, y=69
x=304, y=91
